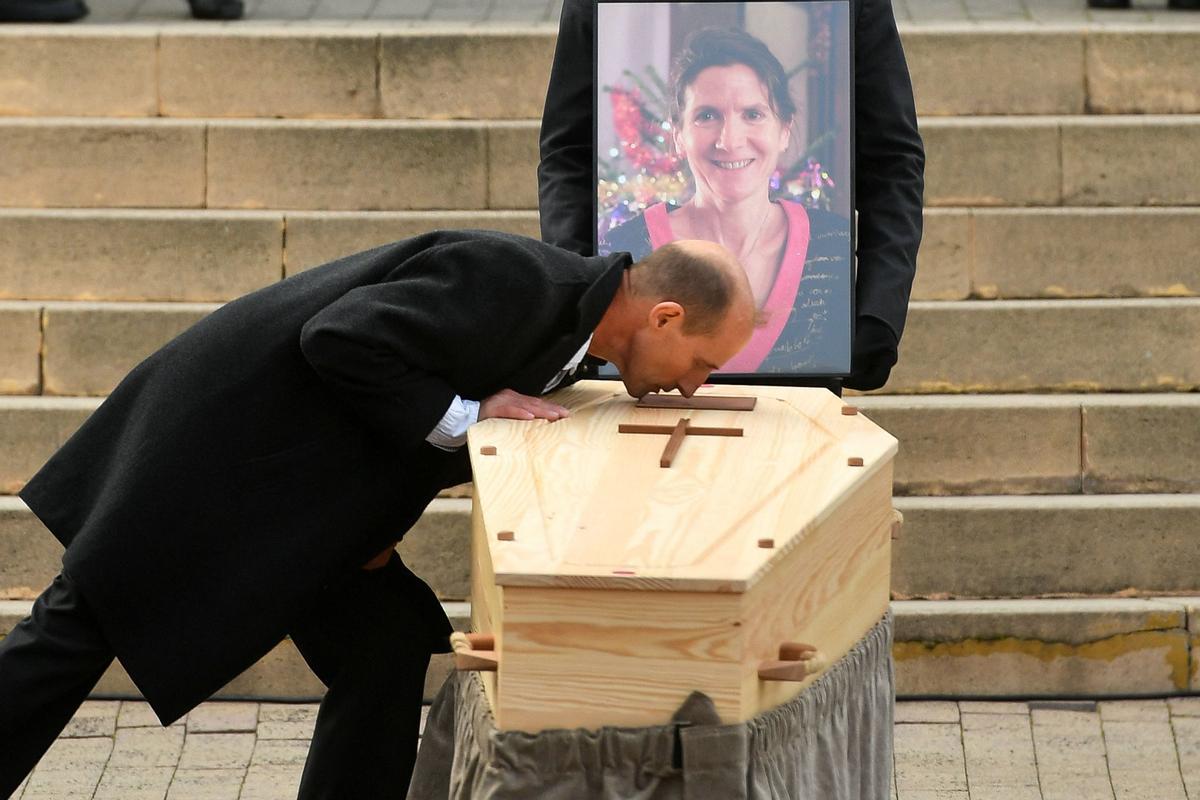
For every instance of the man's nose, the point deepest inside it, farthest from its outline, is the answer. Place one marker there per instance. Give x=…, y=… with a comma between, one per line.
x=688, y=386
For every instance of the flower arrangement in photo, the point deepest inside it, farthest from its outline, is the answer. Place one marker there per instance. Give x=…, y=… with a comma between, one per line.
x=640, y=169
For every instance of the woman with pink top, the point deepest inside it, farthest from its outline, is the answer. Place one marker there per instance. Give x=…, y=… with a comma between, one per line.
x=731, y=118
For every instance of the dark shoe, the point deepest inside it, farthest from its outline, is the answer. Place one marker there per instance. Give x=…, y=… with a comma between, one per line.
x=1108, y=3
x=1183, y=5
x=42, y=10
x=215, y=9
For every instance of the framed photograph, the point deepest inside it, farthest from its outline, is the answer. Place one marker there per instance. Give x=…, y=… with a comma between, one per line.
x=733, y=122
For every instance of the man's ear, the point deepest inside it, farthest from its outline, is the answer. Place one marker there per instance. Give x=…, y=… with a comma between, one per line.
x=666, y=313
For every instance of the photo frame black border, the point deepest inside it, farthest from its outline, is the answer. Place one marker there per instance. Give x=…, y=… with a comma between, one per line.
x=748, y=378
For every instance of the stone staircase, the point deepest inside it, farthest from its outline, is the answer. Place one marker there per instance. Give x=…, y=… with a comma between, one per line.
x=1046, y=402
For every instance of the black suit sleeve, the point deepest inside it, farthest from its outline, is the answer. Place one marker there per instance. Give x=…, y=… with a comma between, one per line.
x=889, y=171
x=398, y=351
x=565, y=170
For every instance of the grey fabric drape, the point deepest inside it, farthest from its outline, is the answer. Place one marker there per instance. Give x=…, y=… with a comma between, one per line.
x=832, y=742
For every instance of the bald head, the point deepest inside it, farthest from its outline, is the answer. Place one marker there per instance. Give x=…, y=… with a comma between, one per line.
x=679, y=314
x=701, y=276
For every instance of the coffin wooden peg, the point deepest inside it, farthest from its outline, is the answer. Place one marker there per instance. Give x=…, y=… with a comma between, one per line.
x=482, y=641
x=849, y=411
x=468, y=658
x=487, y=450
x=897, y=524
x=797, y=651
x=797, y=662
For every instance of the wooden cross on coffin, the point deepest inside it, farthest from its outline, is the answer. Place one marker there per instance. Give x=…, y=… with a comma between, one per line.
x=682, y=429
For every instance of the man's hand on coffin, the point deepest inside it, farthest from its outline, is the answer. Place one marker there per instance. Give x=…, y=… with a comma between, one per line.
x=507, y=404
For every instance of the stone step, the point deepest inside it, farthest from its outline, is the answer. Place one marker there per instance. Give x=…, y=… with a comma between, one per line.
x=1078, y=252
x=1041, y=444
x=997, y=546
x=297, y=70
x=955, y=649
x=315, y=70
x=949, y=444
x=1007, y=346
x=1054, y=545
x=216, y=255
x=1022, y=68
x=201, y=255
x=1062, y=160
x=1056, y=648
x=1126, y=160
x=975, y=346
x=438, y=547
x=87, y=347
x=279, y=675
x=288, y=164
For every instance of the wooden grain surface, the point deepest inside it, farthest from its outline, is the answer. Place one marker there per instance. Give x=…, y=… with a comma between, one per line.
x=596, y=523
x=591, y=509
x=487, y=611
x=593, y=657
x=827, y=590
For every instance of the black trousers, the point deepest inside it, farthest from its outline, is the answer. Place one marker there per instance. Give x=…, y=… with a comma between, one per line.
x=359, y=637
x=368, y=643
x=48, y=664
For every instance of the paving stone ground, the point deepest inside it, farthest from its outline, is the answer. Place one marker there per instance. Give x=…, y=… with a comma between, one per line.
x=1041, y=750
x=509, y=12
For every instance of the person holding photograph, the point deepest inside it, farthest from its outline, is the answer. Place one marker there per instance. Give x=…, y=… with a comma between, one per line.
x=731, y=117
x=889, y=168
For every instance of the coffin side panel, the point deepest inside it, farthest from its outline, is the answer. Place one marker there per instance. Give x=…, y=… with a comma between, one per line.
x=587, y=658
x=827, y=591
x=486, y=596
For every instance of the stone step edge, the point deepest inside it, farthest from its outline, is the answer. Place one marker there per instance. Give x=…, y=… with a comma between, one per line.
x=1039, y=648
x=462, y=505
x=968, y=530
x=863, y=401
x=400, y=123
x=298, y=28
x=1078, y=648
x=1021, y=304
x=533, y=124
x=272, y=214
x=281, y=675
x=407, y=28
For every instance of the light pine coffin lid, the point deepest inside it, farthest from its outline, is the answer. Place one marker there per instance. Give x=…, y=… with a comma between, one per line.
x=574, y=503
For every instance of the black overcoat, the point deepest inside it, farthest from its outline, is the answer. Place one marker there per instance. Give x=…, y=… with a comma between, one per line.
x=889, y=171
x=280, y=442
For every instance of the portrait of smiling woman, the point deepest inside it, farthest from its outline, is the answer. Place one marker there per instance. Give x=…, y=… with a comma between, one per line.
x=734, y=134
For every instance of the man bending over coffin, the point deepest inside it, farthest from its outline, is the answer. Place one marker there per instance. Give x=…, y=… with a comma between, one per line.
x=249, y=480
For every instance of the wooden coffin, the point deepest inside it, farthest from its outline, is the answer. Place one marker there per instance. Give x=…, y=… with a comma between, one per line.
x=612, y=586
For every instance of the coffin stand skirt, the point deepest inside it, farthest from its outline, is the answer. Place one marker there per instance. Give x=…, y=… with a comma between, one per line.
x=831, y=742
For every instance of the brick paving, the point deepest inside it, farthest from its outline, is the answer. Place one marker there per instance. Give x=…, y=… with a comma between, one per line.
x=1110, y=750
x=524, y=12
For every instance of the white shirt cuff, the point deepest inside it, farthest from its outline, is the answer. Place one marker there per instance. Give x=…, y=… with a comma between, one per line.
x=451, y=433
